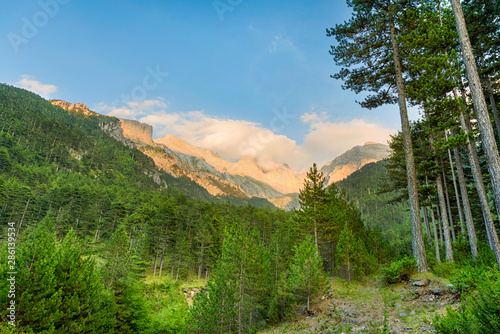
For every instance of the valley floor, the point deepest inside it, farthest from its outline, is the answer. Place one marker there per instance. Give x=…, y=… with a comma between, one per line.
x=361, y=307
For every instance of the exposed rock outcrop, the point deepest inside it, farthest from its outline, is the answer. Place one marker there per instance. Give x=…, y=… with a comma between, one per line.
x=244, y=178
x=281, y=178
x=139, y=133
x=352, y=160
x=77, y=107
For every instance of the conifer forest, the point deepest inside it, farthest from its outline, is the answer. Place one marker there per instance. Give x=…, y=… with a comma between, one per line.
x=95, y=237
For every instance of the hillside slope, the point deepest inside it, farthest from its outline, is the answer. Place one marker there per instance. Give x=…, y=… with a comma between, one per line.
x=393, y=220
x=352, y=160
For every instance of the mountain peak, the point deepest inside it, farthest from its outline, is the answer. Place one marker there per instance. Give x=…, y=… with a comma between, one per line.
x=352, y=160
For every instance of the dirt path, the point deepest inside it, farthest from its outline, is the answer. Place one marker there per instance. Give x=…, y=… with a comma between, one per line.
x=369, y=307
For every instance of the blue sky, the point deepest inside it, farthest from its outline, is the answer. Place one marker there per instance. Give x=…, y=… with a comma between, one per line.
x=236, y=76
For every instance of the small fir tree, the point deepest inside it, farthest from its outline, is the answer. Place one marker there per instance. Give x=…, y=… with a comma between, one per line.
x=306, y=279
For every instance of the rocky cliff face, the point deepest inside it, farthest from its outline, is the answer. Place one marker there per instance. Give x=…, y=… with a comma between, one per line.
x=282, y=178
x=244, y=179
x=77, y=107
x=129, y=132
x=139, y=133
x=352, y=160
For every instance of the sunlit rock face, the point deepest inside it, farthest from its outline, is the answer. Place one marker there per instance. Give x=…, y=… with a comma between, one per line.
x=77, y=107
x=352, y=160
x=244, y=178
x=139, y=133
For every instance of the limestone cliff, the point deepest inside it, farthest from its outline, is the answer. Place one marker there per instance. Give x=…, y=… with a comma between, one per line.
x=281, y=178
x=352, y=160
x=77, y=107
x=244, y=178
x=129, y=132
x=139, y=133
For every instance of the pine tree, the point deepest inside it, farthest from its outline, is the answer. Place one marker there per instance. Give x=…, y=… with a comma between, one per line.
x=215, y=309
x=312, y=201
x=306, y=278
x=369, y=52
x=118, y=258
x=83, y=300
x=483, y=118
x=38, y=298
x=349, y=253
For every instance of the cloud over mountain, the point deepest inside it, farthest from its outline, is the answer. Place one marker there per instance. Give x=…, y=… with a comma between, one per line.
x=29, y=83
x=234, y=139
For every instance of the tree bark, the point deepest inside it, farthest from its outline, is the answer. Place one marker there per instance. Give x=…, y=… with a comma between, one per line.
x=471, y=231
x=442, y=206
x=426, y=223
x=457, y=194
x=483, y=118
x=200, y=265
x=416, y=223
x=154, y=266
x=440, y=223
x=448, y=206
x=22, y=218
x=444, y=219
x=476, y=170
x=162, y=256
x=433, y=219
x=436, y=240
x=481, y=191
x=492, y=99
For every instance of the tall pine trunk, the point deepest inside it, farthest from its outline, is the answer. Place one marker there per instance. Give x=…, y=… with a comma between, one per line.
x=448, y=206
x=436, y=240
x=481, y=191
x=446, y=229
x=471, y=231
x=442, y=205
x=493, y=103
x=426, y=223
x=483, y=117
x=457, y=193
x=416, y=223
x=433, y=219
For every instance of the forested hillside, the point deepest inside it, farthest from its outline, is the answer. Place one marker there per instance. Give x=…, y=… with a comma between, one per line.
x=103, y=239
x=380, y=210
x=67, y=185
x=96, y=238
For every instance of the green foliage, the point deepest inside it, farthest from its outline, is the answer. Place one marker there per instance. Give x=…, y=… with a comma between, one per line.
x=387, y=219
x=58, y=289
x=480, y=313
x=400, y=270
x=168, y=307
x=132, y=312
x=444, y=269
x=352, y=258
x=470, y=276
x=306, y=278
x=215, y=309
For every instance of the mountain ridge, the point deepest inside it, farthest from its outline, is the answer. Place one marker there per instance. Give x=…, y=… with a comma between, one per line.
x=243, y=179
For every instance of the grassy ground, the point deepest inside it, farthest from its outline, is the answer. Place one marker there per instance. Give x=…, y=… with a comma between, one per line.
x=372, y=307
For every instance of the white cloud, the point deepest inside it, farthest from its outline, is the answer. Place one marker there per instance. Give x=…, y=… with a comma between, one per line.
x=313, y=117
x=235, y=139
x=283, y=44
x=232, y=139
x=131, y=109
x=35, y=86
x=326, y=140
